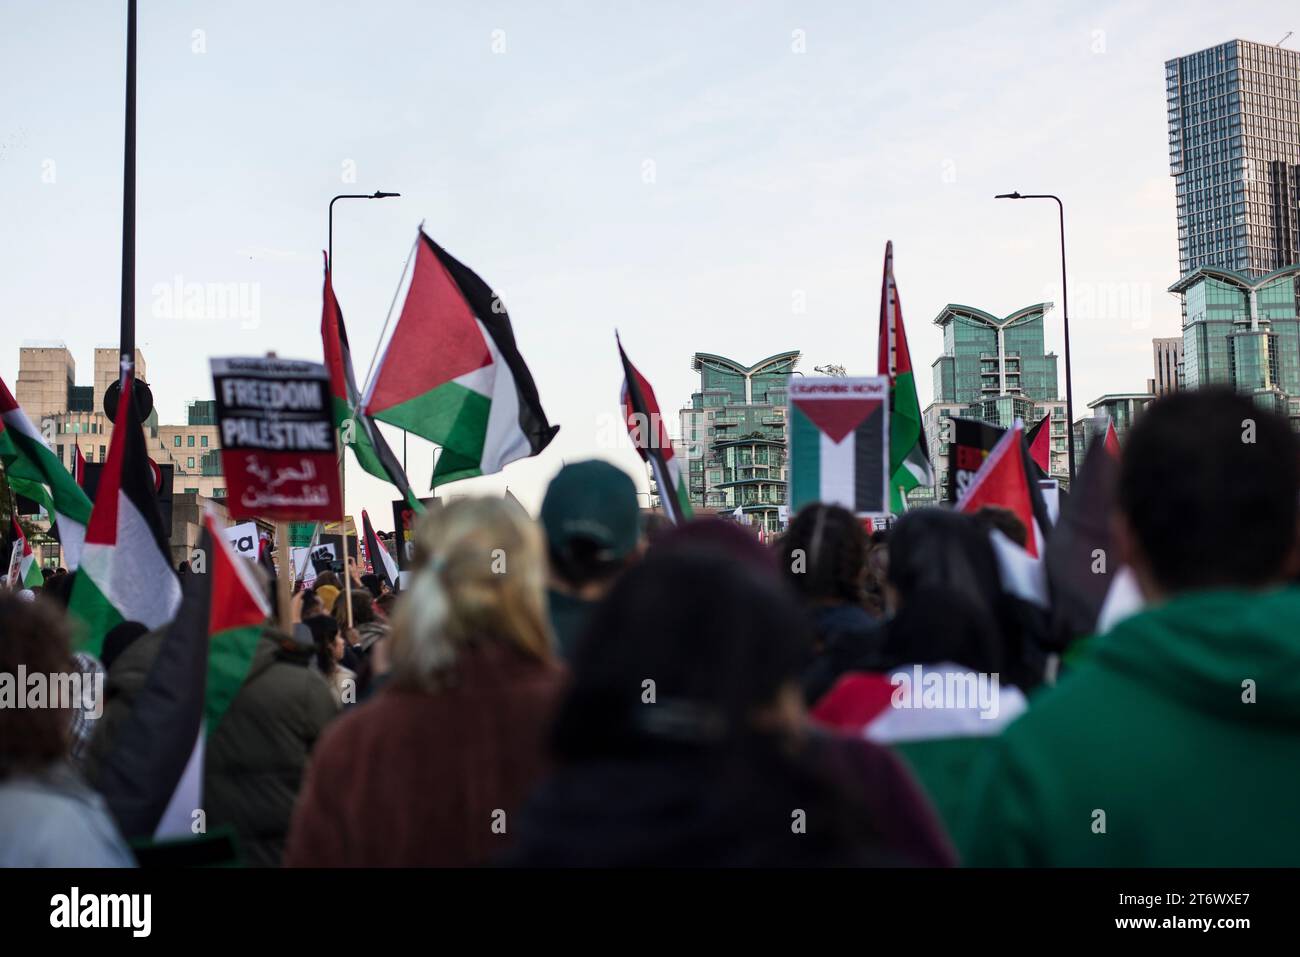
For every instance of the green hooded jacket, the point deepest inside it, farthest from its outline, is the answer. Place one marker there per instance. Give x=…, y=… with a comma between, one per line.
x=1176, y=742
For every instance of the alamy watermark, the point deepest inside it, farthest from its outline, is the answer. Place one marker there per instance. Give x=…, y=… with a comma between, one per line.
x=958, y=690
x=70, y=690
x=208, y=301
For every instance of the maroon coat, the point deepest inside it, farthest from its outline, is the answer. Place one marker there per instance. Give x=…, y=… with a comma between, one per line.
x=418, y=779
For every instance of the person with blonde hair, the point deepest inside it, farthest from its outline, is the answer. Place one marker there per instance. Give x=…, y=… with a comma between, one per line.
x=430, y=770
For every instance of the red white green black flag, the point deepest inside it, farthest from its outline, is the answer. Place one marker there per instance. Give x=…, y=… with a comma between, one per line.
x=33, y=470
x=909, y=455
x=645, y=426
x=839, y=443
x=451, y=372
x=126, y=572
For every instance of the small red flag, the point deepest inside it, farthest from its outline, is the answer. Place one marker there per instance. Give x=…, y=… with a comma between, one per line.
x=1001, y=482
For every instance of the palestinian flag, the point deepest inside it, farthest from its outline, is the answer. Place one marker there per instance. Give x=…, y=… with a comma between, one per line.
x=359, y=433
x=451, y=373
x=909, y=455
x=35, y=471
x=229, y=621
x=153, y=778
x=29, y=572
x=78, y=467
x=380, y=560
x=935, y=716
x=1005, y=481
x=126, y=572
x=839, y=452
x=1039, y=442
x=646, y=427
x=1112, y=439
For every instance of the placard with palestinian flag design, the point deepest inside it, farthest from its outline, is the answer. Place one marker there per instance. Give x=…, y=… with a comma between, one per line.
x=839, y=443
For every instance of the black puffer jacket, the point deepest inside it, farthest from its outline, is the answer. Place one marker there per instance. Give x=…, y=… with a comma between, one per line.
x=257, y=756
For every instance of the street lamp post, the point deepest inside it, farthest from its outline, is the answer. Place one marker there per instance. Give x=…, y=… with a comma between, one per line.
x=126, y=340
x=347, y=577
x=1065, y=322
x=377, y=194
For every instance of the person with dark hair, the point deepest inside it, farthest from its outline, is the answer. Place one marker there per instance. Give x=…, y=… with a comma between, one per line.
x=1173, y=742
x=311, y=604
x=877, y=574
x=592, y=524
x=949, y=631
x=373, y=584
x=58, y=588
x=367, y=626
x=49, y=816
x=329, y=655
x=823, y=556
x=1005, y=521
x=682, y=739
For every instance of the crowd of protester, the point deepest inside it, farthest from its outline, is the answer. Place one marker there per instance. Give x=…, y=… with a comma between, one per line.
x=596, y=689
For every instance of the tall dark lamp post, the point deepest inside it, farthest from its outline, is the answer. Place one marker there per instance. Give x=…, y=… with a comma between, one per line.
x=1065, y=321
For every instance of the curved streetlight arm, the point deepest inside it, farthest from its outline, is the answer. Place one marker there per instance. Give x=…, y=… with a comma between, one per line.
x=377, y=194
x=1065, y=321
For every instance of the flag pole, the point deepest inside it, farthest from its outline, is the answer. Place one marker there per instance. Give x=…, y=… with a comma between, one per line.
x=347, y=571
x=365, y=386
x=126, y=344
x=284, y=578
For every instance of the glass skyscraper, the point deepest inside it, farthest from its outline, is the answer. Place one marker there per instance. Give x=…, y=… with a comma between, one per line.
x=1234, y=153
x=996, y=370
x=734, y=433
x=1244, y=332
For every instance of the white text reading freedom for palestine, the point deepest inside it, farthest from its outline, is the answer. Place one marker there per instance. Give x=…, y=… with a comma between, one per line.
x=297, y=436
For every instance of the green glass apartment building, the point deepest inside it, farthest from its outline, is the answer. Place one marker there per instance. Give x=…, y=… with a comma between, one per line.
x=995, y=369
x=734, y=434
x=1234, y=153
x=1244, y=332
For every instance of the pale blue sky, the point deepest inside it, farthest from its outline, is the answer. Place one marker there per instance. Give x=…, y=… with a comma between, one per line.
x=777, y=176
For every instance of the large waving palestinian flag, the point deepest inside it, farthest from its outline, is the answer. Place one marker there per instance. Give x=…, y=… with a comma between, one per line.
x=126, y=572
x=36, y=472
x=153, y=779
x=358, y=432
x=451, y=373
x=909, y=456
x=645, y=425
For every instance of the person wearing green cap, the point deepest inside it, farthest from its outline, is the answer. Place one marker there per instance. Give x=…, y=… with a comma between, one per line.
x=593, y=532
